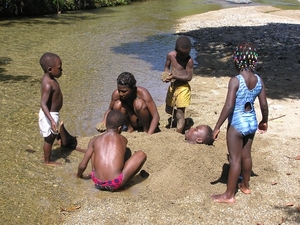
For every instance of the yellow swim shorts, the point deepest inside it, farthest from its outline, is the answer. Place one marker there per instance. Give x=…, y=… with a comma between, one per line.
x=179, y=96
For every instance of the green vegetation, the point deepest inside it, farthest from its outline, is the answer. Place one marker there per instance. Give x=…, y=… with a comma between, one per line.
x=20, y=8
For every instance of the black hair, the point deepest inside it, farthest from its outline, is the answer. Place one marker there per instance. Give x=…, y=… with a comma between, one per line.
x=183, y=42
x=128, y=79
x=115, y=119
x=48, y=60
x=208, y=140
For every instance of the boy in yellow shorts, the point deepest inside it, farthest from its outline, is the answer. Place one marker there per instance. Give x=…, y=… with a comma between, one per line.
x=179, y=66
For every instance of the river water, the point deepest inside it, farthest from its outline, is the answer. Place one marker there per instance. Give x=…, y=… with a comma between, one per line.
x=95, y=47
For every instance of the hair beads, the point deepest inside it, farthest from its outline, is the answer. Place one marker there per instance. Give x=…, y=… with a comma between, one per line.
x=245, y=57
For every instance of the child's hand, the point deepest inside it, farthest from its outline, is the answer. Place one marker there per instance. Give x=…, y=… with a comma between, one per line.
x=54, y=128
x=216, y=133
x=101, y=127
x=164, y=76
x=262, y=127
x=84, y=177
x=169, y=79
x=78, y=175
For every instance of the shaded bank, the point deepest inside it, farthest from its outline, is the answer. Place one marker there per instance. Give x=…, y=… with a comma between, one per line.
x=23, y=8
x=276, y=38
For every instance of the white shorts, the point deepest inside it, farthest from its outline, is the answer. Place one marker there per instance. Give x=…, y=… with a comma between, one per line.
x=45, y=124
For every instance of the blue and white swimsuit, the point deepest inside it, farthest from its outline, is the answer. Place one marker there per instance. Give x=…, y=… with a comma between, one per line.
x=244, y=121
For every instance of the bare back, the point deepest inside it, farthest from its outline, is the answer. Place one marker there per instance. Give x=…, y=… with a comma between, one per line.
x=109, y=155
x=250, y=79
x=51, y=94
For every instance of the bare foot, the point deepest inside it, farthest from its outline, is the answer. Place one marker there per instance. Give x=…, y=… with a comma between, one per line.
x=50, y=163
x=222, y=199
x=244, y=189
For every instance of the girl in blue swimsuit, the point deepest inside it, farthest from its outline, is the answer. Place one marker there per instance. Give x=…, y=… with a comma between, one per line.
x=242, y=123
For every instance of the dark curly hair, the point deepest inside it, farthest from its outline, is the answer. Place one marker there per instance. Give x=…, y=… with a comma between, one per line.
x=128, y=79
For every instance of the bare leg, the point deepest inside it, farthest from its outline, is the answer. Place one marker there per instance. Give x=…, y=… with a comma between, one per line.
x=169, y=109
x=246, y=164
x=142, y=113
x=235, y=146
x=180, y=119
x=48, y=143
x=67, y=140
x=172, y=111
x=133, y=165
x=128, y=113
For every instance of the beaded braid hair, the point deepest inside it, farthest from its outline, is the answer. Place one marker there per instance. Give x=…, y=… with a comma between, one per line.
x=245, y=57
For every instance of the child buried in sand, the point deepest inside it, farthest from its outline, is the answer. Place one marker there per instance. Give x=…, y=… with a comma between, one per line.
x=110, y=169
x=202, y=134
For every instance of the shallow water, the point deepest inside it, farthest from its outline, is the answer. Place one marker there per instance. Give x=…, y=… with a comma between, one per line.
x=287, y=4
x=95, y=46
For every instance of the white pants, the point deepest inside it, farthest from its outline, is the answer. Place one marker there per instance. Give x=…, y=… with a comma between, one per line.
x=45, y=124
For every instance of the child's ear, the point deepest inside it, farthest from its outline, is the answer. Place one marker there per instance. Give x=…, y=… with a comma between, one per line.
x=199, y=140
x=120, y=128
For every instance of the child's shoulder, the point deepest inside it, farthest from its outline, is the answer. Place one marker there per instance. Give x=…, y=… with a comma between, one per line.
x=141, y=91
x=172, y=53
x=46, y=80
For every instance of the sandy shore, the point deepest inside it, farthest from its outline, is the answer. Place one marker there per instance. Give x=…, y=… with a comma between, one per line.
x=182, y=176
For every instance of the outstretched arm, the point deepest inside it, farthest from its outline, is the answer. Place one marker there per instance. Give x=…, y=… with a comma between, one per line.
x=88, y=154
x=228, y=106
x=152, y=110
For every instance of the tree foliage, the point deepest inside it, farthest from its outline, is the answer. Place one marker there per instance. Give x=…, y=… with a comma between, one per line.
x=19, y=8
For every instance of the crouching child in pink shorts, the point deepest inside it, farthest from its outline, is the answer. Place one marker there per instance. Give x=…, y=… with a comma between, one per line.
x=110, y=167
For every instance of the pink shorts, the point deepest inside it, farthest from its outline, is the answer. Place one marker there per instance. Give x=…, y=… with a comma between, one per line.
x=109, y=185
